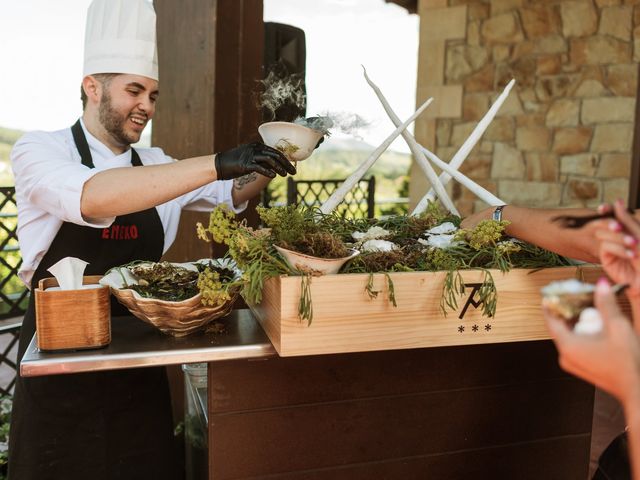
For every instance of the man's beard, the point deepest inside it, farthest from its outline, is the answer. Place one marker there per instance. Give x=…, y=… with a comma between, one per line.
x=113, y=122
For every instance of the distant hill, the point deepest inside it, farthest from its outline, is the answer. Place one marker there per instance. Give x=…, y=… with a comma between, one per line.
x=338, y=158
x=8, y=137
x=352, y=144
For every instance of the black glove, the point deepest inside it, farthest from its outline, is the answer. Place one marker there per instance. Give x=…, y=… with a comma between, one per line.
x=253, y=157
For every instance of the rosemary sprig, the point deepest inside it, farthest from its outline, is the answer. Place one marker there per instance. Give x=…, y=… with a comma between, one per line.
x=369, y=287
x=305, y=306
x=392, y=291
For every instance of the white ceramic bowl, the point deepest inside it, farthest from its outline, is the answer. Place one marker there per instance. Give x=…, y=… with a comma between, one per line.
x=287, y=137
x=326, y=266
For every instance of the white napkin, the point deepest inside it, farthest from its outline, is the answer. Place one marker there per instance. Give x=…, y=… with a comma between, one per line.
x=69, y=272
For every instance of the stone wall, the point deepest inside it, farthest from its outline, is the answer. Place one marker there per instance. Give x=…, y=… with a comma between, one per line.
x=564, y=136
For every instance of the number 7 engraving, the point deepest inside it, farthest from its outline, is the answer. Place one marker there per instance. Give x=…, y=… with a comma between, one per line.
x=475, y=287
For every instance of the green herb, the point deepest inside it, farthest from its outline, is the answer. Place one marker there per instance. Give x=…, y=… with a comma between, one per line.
x=251, y=249
x=305, y=306
x=392, y=291
x=310, y=232
x=369, y=288
x=166, y=281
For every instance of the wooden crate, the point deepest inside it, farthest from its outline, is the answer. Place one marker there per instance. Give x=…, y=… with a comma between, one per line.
x=346, y=319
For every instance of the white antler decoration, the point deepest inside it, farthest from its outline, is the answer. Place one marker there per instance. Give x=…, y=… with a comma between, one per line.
x=415, y=149
x=466, y=148
x=338, y=195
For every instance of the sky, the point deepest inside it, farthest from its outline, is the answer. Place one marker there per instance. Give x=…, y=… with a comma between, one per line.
x=41, y=45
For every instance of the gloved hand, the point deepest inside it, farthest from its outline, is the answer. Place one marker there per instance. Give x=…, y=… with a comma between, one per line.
x=253, y=157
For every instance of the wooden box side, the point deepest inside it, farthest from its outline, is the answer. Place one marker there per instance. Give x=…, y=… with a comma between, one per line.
x=269, y=311
x=347, y=319
x=72, y=319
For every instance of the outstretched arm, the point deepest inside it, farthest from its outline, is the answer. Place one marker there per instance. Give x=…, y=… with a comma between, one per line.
x=120, y=191
x=535, y=225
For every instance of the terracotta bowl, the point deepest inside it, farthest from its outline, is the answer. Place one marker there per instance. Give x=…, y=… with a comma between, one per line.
x=173, y=318
x=325, y=266
x=295, y=141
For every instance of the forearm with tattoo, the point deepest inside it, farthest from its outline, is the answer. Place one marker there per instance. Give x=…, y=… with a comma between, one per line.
x=247, y=187
x=241, y=182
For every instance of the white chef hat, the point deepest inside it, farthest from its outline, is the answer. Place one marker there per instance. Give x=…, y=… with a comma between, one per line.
x=121, y=38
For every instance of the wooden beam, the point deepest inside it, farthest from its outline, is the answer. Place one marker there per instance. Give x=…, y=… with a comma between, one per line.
x=410, y=5
x=210, y=60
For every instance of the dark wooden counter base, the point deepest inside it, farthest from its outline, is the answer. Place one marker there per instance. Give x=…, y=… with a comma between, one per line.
x=501, y=411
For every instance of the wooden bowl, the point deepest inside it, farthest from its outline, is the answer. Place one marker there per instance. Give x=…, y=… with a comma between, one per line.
x=173, y=318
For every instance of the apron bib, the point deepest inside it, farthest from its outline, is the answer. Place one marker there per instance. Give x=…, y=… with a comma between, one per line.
x=102, y=425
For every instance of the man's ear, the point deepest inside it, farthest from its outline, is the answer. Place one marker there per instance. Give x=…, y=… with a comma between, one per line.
x=92, y=89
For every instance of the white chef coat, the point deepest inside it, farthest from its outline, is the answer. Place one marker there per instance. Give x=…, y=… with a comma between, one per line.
x=50, y=176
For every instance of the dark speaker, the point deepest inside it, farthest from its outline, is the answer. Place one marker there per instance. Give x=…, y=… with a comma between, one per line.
x=284, y=60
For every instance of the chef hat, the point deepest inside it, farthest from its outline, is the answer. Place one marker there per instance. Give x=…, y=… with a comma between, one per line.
x=121, y=38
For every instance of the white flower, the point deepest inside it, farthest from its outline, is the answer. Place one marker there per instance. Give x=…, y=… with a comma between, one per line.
x=441, y=241
x=378, y=246
x=446, y=227
x=371, y=234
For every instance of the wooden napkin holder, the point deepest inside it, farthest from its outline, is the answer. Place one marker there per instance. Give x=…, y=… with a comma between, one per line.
x=72, y=319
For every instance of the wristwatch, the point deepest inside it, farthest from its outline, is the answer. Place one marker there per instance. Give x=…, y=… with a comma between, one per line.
x=497, y=213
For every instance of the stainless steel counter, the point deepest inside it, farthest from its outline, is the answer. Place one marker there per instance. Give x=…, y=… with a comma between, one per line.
x=137, y=344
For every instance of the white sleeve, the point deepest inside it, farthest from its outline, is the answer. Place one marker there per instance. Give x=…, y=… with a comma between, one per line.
x=48, y=176
x=215, y=193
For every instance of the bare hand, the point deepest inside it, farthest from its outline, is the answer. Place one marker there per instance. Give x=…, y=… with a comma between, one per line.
x=618, y=247
x=471, y=221
x=611, y=359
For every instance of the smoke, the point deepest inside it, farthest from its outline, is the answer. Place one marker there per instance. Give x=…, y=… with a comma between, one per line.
x=345, y=122
x=282, y=91
x=284, y=98
x=348, y=122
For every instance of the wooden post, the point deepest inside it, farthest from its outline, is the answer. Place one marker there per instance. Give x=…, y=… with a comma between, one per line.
x=210, y=60
x=292, y=191
x=371, y=197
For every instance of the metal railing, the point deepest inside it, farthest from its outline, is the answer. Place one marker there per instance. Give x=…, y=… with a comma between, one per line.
x=358, y=203
x=14, y=296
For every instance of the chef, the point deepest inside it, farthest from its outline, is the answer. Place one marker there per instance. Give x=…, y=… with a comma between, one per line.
x=78, y=189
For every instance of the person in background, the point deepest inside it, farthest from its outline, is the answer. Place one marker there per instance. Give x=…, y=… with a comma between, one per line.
x=84, y=192
x=536, y=225
x=611, y=361
x=608, y=360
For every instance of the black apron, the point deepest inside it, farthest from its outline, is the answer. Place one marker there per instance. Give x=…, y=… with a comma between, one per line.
x=102, y=425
